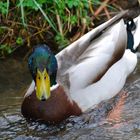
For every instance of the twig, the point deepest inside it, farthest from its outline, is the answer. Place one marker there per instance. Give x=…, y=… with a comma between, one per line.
x=107, y=13
x=117, y=6
x=18, y=23
x=59, y=24
x=69, y=14
x=4, y=38
x=111, y=13
x=90, y=7
x=79, y=34
x=99, y=10
x=113, y=1
x=30, y=37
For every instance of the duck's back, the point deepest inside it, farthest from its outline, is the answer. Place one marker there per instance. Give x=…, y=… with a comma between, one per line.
x=100, y=70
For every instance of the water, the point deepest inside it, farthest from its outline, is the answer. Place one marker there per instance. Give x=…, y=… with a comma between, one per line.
x=117, y=118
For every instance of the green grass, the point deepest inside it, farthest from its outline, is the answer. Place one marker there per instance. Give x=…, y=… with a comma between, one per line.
x=58, y=18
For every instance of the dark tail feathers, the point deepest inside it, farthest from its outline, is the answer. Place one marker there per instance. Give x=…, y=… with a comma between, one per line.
x=130, y=26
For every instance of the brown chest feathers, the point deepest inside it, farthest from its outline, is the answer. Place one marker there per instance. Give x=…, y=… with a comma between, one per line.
x=54, y=110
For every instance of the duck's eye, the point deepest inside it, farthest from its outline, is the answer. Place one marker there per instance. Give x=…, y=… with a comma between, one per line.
x=39, y=77
x=45, y=78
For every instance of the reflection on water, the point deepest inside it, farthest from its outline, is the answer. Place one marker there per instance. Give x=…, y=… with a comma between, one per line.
x=118, y=118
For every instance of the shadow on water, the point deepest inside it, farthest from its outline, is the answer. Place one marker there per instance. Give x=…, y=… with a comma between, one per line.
x=117, y=118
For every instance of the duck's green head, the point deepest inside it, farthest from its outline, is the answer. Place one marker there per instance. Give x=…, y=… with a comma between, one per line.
x=43, y=67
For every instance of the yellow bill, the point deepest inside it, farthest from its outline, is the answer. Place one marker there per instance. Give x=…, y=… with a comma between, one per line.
x=42, y=85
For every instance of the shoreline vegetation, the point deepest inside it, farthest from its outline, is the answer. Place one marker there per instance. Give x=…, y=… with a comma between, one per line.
x=58, y=23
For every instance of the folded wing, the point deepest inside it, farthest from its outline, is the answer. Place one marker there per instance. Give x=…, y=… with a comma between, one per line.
x=85, y=61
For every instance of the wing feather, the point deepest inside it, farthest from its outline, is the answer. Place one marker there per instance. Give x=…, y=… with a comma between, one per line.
x=94, y=61
x=66, y=58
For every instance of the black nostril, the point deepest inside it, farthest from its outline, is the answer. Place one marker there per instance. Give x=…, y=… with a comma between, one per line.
x=43, y=98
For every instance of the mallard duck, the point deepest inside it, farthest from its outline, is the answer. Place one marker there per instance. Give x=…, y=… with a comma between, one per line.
x=92, y=69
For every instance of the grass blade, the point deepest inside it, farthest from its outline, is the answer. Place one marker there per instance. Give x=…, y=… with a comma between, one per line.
x=7, y=9
x=22, y=12
x=46, y=17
